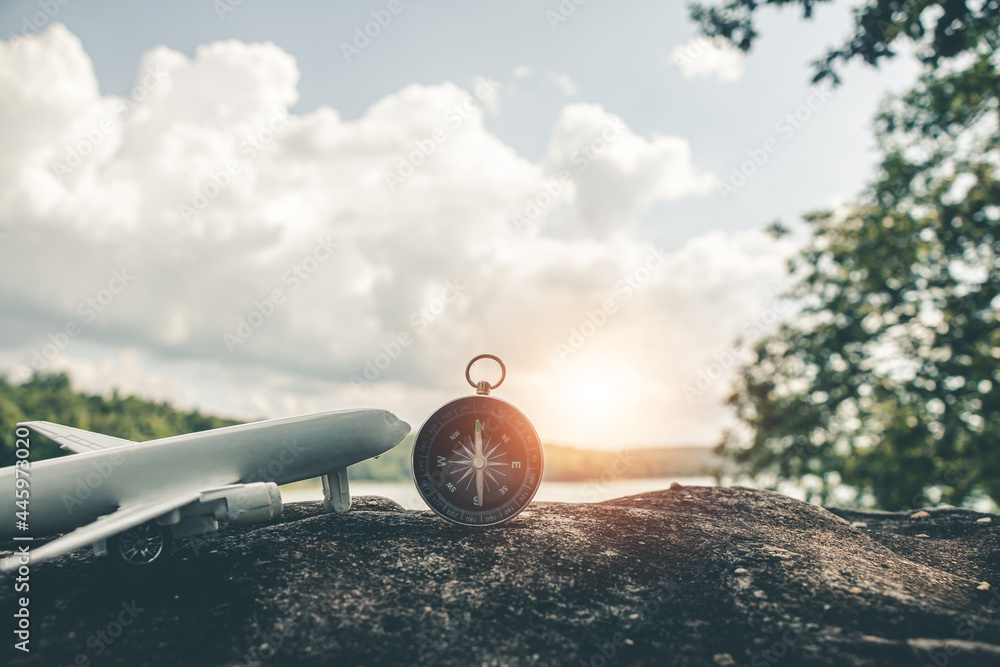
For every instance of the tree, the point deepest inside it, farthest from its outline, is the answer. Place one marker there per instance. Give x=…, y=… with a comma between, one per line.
x=941, y=29
x=887, y=379
x=51, y=398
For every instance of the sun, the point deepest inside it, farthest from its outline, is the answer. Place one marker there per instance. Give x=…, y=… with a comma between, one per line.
x=595, y=390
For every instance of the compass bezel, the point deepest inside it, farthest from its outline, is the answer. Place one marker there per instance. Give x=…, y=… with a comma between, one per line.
x=485, y=407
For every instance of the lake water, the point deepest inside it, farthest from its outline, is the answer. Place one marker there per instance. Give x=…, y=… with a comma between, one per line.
x=595, y=491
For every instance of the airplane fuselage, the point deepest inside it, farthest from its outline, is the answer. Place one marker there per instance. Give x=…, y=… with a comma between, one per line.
x=74, y=490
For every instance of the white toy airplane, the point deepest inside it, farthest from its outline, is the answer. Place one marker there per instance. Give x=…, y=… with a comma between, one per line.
x=132, y=499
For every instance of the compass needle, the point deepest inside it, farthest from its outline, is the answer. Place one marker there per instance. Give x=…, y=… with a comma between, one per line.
x=479, y=463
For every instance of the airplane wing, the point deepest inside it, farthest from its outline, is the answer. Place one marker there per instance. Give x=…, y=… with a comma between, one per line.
x=106, y=526
x=76, y=439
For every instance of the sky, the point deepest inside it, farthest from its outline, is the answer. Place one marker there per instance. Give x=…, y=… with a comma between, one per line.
x=263, y=209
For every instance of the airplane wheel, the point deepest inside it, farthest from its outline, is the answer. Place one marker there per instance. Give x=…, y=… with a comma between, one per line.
x=145, y=545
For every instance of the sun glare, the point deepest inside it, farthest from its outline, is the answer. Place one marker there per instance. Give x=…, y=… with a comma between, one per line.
x=595, y=391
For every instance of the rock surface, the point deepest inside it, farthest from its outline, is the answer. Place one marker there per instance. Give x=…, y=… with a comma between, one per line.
x=688, y=576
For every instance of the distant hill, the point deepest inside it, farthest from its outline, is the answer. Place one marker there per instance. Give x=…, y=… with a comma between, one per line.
x=51, y=398
x=572, y=464
x=568, y=464
x=393, y=466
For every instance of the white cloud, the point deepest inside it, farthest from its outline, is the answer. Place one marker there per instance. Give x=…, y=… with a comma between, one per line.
x=319, y=181
x=566, y=84
x=617, y=174
x=563, y=82
x=127, y=374
x=708, y=57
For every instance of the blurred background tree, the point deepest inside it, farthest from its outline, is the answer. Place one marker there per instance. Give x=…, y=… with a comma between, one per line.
x=886, y=379
x=939, y=30
x=50, y=398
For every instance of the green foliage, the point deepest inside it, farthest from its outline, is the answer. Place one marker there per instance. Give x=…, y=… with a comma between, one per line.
x=940, y=29
x=50, y=398
x=393, y=466
x=887, y=380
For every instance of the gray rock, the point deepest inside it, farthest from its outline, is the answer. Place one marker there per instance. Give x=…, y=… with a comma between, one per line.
x=686, y=576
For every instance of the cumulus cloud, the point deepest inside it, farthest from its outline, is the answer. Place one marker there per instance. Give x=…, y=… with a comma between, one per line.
x=708, y=57
x=203, y=242
x=562, y=81
x=617, y=175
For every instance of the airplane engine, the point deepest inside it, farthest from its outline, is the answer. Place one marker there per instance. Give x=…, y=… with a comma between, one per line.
x=235, y=504
x=251, y=503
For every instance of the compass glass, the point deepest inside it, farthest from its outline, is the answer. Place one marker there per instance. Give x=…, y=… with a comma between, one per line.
x=477, y=461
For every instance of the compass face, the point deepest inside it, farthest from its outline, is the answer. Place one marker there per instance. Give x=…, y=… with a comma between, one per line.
x=477, y=461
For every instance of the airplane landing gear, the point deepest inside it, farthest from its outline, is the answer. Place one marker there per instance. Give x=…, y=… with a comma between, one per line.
x=142, y=546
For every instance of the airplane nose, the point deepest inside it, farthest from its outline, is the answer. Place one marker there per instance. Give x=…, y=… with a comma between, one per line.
x=396, y=430
x=394, y=421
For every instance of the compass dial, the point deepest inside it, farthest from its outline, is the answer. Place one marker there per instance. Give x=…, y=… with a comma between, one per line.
x=477, y=461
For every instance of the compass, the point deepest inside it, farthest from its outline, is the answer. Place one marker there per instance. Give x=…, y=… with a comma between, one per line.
x=477, y=460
